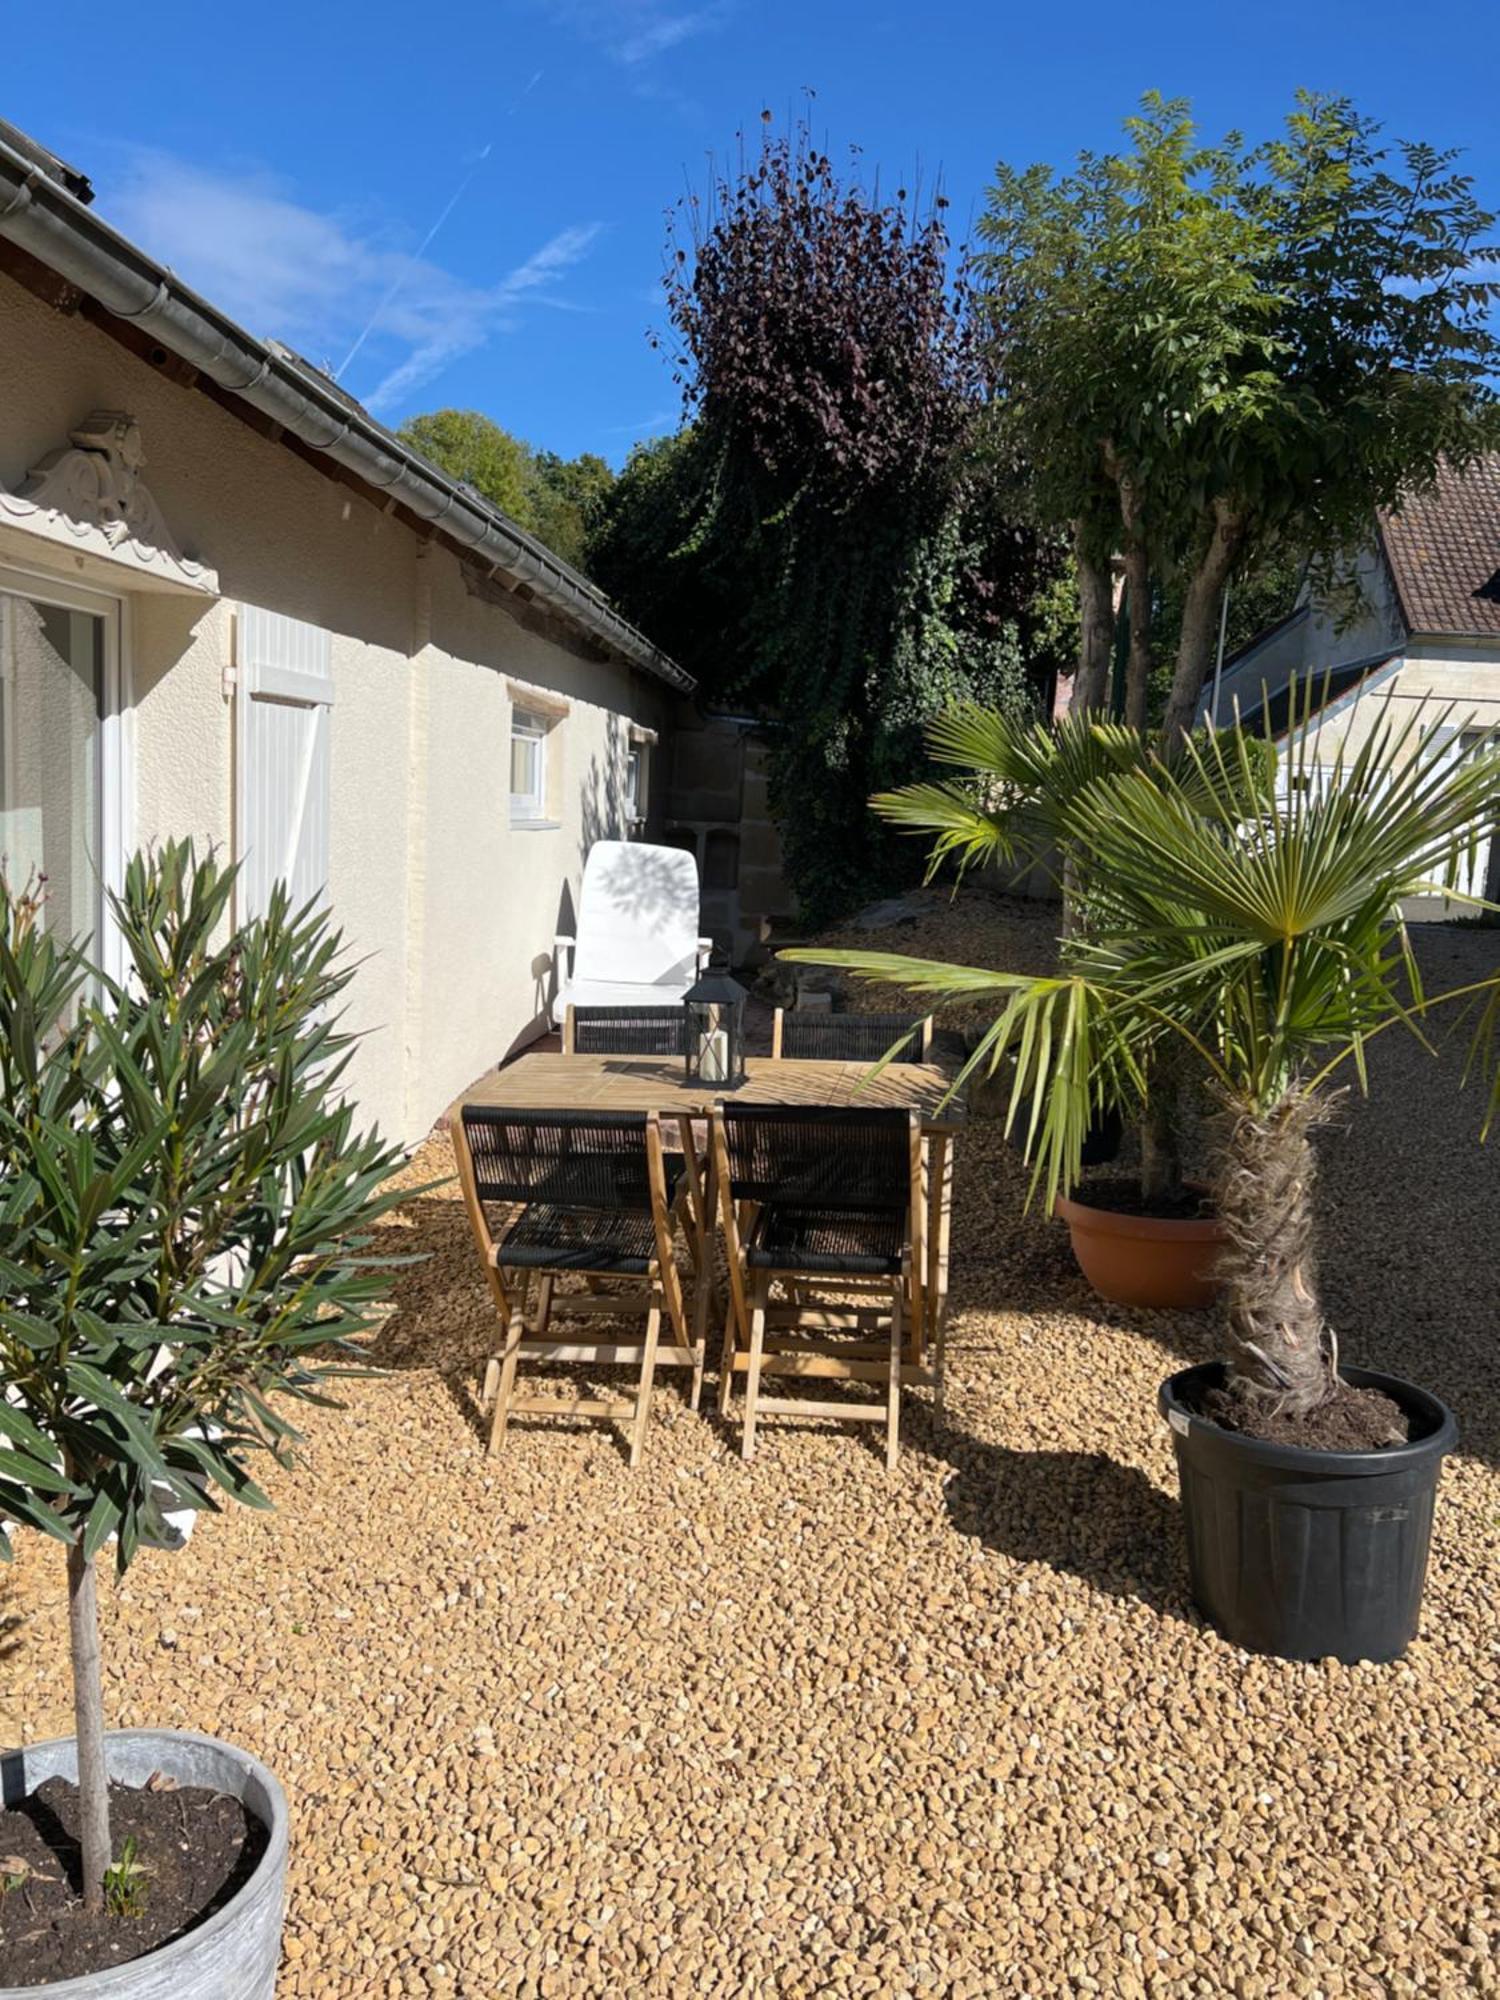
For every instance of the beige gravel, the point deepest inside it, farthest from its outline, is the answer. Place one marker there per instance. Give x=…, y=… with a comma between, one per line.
x=795, y=1728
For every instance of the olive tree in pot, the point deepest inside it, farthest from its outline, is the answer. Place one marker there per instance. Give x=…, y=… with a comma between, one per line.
x=185, y=1246
x=1150, y=1239
x=1272, y=946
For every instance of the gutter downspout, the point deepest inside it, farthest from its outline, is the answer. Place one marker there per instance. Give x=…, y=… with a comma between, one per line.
x=40, y=216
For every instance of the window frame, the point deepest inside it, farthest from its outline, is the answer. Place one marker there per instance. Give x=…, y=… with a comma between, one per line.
x=530, y=809
x=115, y=797
x=637, y=787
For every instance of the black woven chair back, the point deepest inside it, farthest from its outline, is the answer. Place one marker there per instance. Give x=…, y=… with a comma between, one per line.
x=572, y=1159
x=810, y=1037
x=630, y=1031
x=812, y=1157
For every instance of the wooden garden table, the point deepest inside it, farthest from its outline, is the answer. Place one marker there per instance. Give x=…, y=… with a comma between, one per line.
x=547, y=1082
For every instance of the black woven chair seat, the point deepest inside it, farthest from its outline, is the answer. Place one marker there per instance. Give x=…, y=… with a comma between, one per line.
x=544, y=1238
x=807, y=1036
x=848, y=1243
x=630, y=1031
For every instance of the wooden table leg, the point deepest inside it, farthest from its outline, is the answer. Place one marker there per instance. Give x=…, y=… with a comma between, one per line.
x=939, y=1220
x=705, y=1292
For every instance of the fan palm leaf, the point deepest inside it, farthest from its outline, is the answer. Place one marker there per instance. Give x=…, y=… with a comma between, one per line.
x=1250, y=912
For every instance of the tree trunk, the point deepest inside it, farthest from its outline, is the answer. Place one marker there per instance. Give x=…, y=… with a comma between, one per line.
x=1096, y=630
x=1138, y=661
x=1199, y=629
x=88, y=1724
x=1161, y=1147
x=1137, y=561
x=1284, y=1358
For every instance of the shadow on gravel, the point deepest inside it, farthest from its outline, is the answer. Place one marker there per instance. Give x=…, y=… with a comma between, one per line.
x=443, y=1317
x=12, y=1623
x=1077, y=1511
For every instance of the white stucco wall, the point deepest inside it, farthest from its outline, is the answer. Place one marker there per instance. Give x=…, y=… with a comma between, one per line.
x=452, y=911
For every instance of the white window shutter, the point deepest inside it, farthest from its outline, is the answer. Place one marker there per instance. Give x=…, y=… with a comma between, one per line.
x=284, y=696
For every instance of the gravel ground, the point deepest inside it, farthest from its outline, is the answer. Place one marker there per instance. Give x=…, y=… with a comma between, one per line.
x=552, y=1728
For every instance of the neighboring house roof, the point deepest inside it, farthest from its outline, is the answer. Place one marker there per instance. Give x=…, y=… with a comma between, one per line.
x=153, y=312
x=1443, y=550
x=1315, y=693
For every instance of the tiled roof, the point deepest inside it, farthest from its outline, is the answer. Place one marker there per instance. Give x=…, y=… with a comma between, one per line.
x=1443, y=547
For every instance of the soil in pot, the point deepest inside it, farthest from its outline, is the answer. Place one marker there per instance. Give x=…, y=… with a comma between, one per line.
x=1124, y=1197
x=1351, y=1420
x=194, y=1848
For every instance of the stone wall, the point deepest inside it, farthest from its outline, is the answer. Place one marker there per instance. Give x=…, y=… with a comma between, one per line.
x=718, y=808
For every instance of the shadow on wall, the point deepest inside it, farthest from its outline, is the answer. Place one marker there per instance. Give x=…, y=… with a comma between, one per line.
x=602, y=794
x=657, y=887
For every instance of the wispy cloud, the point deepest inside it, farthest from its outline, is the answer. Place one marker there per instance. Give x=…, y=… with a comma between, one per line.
x=635, y=32
x=645, y=427
x=324, y=281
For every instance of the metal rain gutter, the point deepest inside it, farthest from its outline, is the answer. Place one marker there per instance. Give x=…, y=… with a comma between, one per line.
x=39, y=215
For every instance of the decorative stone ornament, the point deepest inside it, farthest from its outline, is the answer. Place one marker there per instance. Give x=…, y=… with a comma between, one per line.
x=89, y=497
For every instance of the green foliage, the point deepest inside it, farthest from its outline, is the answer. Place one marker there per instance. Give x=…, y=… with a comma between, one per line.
x=1015, y=796
x=185, y=1204
x=1219, y=354
x=125, y=1883
x=1262, y=932
x=565, y=497
x=818, y=547
x=473, y=448
x=556, y=499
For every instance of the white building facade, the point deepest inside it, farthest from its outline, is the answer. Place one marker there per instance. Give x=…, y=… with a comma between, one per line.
x=210, y=625
x=1421, y=639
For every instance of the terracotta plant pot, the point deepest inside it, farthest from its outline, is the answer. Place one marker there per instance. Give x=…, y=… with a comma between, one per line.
x=1145, y=1260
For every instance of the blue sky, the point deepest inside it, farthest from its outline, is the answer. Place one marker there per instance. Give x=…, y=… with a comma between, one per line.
x=463, y=203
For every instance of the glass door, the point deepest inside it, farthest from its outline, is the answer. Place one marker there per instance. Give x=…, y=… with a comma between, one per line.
x=57, y=671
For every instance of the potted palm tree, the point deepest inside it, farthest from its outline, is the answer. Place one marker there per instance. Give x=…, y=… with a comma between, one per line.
x=1271, y=945
x=185, y=1210
x=1150, y=1239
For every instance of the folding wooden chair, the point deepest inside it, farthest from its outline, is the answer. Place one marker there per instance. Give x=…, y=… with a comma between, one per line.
x=800, y=1035
x=819, y=1199
x=653, y=1031
x=595, y=1200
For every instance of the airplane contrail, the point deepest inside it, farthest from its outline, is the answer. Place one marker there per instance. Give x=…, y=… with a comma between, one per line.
x=421, y=251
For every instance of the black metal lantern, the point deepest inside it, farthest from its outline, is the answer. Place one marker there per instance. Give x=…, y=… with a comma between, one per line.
x=716, y=1030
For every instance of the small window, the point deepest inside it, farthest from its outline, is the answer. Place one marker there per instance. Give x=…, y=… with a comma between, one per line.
x=528, y=768
x=637, y=782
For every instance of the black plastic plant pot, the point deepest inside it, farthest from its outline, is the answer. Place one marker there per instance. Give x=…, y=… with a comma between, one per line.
x=1309, y=1555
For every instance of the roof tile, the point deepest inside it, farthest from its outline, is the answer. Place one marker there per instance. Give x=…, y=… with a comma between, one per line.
x=1443, y=547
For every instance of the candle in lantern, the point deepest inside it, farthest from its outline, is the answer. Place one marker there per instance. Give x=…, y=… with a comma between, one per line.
x=713, y=1061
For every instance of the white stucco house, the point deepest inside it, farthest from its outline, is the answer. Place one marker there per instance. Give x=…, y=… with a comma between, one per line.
x=233, y=605
x=1426, y=631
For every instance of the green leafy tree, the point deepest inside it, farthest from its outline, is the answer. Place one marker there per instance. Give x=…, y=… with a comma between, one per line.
x=565, y=498
x=1265, y=940
x=650, y=549
x=556, y=499
x=185, y=1227
x=1209, y=358
x=473, y=448
x=819, y=548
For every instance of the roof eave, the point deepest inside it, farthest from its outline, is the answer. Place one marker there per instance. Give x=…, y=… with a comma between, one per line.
x=70, y=239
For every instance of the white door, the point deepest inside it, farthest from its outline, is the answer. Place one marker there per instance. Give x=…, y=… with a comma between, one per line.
x=284, y=686
x=62, y=819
